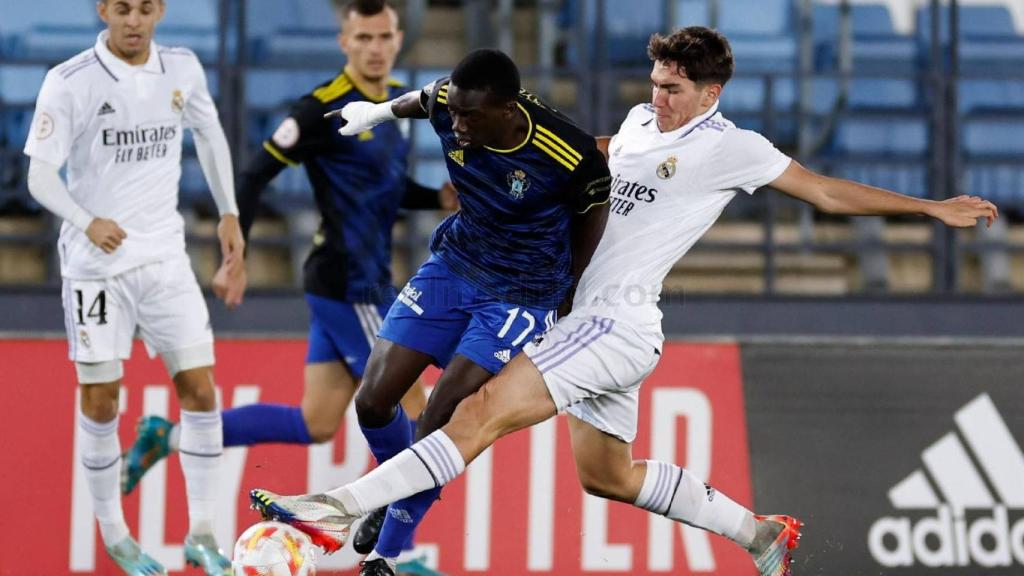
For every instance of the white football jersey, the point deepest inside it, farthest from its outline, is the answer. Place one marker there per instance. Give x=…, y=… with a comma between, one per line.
x=119, y=129
x=667, y=190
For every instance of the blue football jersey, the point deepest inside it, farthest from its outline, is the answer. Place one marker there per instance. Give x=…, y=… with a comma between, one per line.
x=359, y=183
x=512, y=234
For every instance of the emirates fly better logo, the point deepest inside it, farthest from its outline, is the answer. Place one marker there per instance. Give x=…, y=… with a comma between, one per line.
x=971, y=490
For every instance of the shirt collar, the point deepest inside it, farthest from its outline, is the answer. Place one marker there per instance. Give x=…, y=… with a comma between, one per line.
x=685, y=129
x=118, y=68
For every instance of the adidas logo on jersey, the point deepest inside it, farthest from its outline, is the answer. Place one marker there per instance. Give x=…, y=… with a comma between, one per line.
x=105, y=109
x=503, y=355
x=988, y=535
x=458, y=156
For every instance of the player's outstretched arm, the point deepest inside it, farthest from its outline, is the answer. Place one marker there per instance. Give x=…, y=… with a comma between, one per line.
x=838, y=196
x=361, y=116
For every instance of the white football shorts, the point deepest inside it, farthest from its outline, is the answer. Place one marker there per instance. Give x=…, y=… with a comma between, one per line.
x=162, y=300
x=593, y=367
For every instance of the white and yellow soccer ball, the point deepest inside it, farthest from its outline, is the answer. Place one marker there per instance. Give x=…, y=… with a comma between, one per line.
x=273, y=549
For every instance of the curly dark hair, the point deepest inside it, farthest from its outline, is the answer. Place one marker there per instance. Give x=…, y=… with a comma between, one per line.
x=702, y=53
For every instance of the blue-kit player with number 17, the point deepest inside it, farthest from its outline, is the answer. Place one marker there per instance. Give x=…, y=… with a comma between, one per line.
x=533, y=190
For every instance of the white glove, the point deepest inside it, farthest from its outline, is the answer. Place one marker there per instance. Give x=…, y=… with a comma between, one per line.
x=361, y=116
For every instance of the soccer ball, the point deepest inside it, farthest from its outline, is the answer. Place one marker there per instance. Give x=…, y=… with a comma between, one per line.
x=273, y=549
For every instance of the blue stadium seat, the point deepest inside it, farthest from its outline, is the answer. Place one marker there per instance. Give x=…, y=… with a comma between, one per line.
x=316, y=15
x=20, y=84
x=999, y=137
x=21, y=16
x=191, y=15
x=883, y=93
x=276, y=88
x=979, y=95
x=193, y=187
x=876, y=46
x=988, y=39
x=754, y=17
x=885, y=136
x=54, y=42
x=1002, y=183
x=628, y=25
x=302, y=47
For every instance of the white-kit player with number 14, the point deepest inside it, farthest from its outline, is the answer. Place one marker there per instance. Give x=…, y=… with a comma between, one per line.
x=675, y=164
x=114, y=114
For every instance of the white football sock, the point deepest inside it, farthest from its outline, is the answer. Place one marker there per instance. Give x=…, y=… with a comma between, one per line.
x=101, y=456
x=392, y=562
x=202, y=442
x=675, y=493
x=429, y=463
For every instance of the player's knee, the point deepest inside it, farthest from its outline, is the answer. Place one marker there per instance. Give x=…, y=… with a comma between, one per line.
x=321, y=429
x=100, y=402
x=195, y=389
x=371, y=411
x=602, y=486
x=474, y=413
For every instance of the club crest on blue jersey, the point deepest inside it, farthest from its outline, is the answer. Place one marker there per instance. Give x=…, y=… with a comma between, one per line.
x=667, y=169
x=518, y=184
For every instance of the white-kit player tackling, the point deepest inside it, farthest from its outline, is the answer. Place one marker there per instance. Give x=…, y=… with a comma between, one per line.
x=676, y=163
x=115, y=114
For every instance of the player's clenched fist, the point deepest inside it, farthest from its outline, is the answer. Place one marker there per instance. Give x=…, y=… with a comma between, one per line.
x=105, y=234
x=358, y=117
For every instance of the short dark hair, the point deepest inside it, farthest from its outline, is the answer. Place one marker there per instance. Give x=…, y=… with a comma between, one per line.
x=704, y=54
x=489, y=70
x=362, y=7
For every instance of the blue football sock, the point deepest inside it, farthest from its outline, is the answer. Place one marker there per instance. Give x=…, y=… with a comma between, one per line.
x=390, y=439
x=401, y=522
x=263, y=423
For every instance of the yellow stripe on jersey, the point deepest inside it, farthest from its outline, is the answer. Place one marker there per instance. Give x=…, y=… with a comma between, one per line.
x=336, y=89
x=548, y=145
x=572, y=152
x=442, y=94
x=277, y=154
x=395, y=83
x=561, y=160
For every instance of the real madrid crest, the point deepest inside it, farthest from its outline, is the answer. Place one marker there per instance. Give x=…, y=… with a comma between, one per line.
x=518, y=184
x=667, y=169
x=177, y=102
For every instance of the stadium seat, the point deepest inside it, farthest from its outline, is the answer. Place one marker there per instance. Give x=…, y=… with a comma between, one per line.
x=773, y=17
x=876, y=46
x=20, y=84
x=191, y=15
x=989, y=137
x=21, y=16
x=883, y=136
x=981, y=95
x=1000, y=182
x=988, y=40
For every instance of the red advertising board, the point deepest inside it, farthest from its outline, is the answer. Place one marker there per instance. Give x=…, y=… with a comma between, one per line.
x=518, y=510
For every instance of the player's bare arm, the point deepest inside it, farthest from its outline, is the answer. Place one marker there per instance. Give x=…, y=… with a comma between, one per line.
x=603, y=142
x=838, y=196
x=587, y=230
